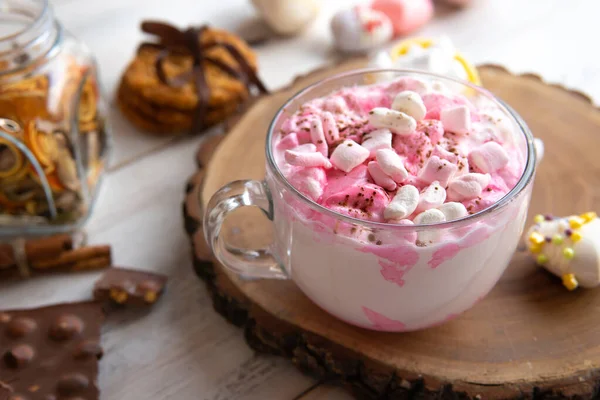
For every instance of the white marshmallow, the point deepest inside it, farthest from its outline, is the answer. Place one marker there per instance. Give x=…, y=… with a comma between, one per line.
x=468, y=186
x=379, y=177
x=453, y=210
x=301, y=156
x=288, y=17
x=396, y=121
x=335, y=104
x=489, y=157
x=377, y=140
x=317, y=136
x=410, y=103
x=309, y=181
x=432, y=216
x=444, y=154
x=539, y=149
x=456, y=119
x=391, y=163
x=436, y=169
x=330, y=128
x=348, y=155
x=403, y=204
x=432, y=197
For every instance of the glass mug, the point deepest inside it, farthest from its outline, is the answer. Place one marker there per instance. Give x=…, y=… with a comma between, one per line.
x=375, y=275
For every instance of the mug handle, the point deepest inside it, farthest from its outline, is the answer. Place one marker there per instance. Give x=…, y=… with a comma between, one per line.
x=257, y=263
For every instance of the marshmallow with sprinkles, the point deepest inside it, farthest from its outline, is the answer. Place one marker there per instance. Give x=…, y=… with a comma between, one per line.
x=568, y=247
x=428, y=153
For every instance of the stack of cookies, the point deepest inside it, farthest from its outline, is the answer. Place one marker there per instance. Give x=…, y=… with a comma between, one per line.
x=174, y=86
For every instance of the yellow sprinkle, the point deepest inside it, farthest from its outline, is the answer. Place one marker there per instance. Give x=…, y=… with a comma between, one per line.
x=588, y=216
x=569, y=253
x=536, y=248
x=542, y=259
x=576, y=236
x=570, y=281
x=576, y=222
x=536, y=238
x=557, y=239
x=538, y=219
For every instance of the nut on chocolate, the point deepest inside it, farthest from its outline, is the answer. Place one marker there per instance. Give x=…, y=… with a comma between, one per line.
x=51, y=352
x=123, y=286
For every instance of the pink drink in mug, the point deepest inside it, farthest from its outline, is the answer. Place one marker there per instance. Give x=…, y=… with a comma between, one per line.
x=346, y=235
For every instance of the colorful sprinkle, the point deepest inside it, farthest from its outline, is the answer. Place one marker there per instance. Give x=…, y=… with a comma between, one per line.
x=538, y=219
x=548, y=239
x=548, y=217
x=588, y=216
x=542, y=259
x=536, y=248
x=536, y=238
x=576, y=222
x=569, y=232
x=569, y=253
x=557, y=239
x=570, y=281
x=576, y=236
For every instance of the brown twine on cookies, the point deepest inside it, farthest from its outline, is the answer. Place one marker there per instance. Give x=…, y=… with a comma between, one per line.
x=188, y=42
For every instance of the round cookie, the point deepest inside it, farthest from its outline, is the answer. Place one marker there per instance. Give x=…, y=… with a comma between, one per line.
x=141, y=77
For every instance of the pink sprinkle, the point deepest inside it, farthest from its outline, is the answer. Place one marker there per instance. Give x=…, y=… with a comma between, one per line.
x=381, y=322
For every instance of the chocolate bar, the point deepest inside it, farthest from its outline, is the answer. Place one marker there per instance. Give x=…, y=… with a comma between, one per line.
x=51, y=352
x=122, y=286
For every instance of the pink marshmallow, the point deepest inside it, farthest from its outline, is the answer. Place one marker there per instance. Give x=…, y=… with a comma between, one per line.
x=288, y=142
x=380, y=178
x=436, y=169
x=303, y=157
x=354, y=202
x=349, y=155
x=317, y=136
x=432, y=197
x=444, y=154
x=330, y=128
x=456, y=119
x=489, y=157
x=392, y=164
x=406, y=15
x=377, y=140
x=468, y=186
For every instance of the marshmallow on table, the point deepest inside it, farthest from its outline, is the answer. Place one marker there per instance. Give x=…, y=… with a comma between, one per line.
x=489, y=157
x=568, y=247
x=317, y=136
x=380, y=177
x=377, y=140
x=456, y=119
x=392, y=164
x=410, y=103
x=287, y=17
x=396, y=121
x=432, y=197
x=348, y=155
x=467, y=186
x=406, y=15
x=403, y=204
x=306, y=155
x=360, y=29
x=453, y=210
x=436, y=169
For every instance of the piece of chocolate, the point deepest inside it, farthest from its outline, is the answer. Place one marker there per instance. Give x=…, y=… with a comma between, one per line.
x=129, y=287
x=51, y=352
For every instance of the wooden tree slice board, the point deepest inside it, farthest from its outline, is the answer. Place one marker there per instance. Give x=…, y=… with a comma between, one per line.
x=529, y=338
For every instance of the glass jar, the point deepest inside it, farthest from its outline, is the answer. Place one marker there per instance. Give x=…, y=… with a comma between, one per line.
x=53, y=125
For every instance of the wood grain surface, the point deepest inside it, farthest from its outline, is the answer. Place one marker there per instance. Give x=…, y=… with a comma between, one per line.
x=528, y=337
x=183, y=349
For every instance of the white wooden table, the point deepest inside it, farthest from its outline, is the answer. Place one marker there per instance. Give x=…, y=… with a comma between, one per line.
x=183, y=349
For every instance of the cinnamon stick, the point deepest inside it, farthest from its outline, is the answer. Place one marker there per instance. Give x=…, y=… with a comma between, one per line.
x=36, y=249
x=77, y=259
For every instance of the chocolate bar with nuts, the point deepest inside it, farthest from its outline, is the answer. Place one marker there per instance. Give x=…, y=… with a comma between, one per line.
x=51, y=352
x=129, y=287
